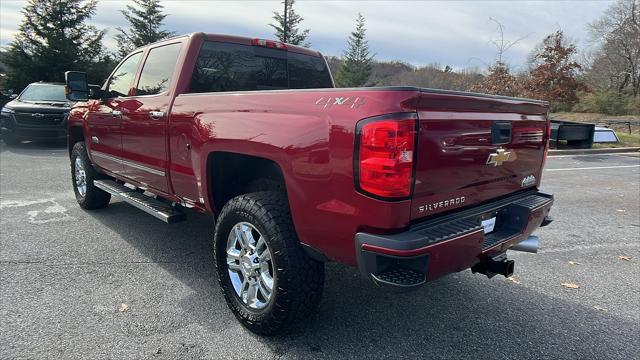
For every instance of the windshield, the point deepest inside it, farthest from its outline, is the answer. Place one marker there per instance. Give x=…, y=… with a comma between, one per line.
x=43, y=92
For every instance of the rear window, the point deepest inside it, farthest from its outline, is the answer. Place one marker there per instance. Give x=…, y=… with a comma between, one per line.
x=43, y=92
x=236, y=67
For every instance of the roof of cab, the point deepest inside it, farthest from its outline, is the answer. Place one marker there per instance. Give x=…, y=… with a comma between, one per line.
x=247, y=41
x=237, y=40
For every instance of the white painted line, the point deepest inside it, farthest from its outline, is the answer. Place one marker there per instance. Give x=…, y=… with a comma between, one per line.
x=603, y=154
x=595, y=168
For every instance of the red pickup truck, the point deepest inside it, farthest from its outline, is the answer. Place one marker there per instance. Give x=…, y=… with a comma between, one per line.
x=407, y=184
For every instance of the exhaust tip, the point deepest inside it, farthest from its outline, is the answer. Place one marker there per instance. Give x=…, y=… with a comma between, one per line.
x=530, y=245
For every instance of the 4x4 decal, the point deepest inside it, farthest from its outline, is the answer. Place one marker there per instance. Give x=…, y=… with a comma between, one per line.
x=352, y=102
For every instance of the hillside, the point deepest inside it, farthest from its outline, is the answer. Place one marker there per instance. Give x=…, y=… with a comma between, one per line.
x=389, y=73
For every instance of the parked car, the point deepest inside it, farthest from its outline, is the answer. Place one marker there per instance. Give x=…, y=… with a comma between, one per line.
x=38, y=113
x=604, y=135
x=4, y=98
x=405, y=183
x=571, y=135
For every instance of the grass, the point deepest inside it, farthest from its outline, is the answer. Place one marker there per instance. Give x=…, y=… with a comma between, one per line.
x=591, y=117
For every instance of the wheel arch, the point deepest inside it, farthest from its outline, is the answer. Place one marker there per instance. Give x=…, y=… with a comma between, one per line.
x=231, y=174
x=75, y=134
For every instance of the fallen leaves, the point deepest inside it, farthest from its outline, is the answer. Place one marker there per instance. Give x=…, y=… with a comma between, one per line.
x=570, y=285
x=625, y=258
x=600, y=308
x=123, y=307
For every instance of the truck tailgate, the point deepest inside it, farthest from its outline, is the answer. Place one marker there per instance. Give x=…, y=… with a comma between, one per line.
x=474, y=148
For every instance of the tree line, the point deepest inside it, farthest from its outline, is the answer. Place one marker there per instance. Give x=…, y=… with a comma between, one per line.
x=55, y=36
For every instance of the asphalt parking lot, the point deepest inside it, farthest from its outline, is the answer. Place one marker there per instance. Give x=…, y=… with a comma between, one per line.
x=65, y=273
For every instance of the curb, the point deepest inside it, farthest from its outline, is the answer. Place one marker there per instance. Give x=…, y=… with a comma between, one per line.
x=593, y=151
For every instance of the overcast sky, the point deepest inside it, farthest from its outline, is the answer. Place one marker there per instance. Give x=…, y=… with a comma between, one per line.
x=456, y=33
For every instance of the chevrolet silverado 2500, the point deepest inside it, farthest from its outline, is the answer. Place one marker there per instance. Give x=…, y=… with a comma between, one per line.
x=406, y=184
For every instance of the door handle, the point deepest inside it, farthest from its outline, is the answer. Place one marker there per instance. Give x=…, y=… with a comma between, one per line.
x=156, y=115
x=116, y=113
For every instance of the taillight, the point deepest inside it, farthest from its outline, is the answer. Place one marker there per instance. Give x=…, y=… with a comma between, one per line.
x=385, y=151
x=269, y=43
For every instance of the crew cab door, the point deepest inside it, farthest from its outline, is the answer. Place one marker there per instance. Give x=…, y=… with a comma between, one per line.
x=145, y=118
x=104, y=118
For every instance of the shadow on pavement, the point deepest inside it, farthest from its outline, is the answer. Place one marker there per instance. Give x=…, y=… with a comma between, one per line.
x=37, y=148
x=459, y=316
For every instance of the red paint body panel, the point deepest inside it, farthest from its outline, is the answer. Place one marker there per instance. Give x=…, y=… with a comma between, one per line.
x=315, y=154
x=104, y=133
x=144, y=140
x=454, y=145
x=311, y=136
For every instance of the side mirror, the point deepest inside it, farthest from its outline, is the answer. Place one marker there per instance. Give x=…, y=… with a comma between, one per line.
x=13, y=96
x=95, y=92
x=76, y=88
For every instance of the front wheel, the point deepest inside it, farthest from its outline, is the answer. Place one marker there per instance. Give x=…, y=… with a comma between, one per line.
x=10, y=139
x=82, y=176
x=269, y=282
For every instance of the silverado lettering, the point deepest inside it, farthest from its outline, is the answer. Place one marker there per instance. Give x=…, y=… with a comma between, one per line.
x=441, y=204
x=297, y=173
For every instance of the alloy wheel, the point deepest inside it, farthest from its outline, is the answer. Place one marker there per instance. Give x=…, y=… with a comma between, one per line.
x=81, y=178
x=250, y=265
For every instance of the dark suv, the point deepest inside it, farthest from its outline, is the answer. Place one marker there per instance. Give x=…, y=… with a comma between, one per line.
x=38, y=113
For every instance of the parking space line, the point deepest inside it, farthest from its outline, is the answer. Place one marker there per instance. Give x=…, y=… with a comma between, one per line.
x=595, y=168
x=626, y=154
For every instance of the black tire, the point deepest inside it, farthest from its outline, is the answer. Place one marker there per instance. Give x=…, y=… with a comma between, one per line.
x=10, y=140
x=298, y=279
x=93, y=198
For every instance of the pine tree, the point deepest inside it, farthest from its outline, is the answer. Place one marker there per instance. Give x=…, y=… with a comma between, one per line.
x=286, y=26
x=53, y=38
x=358, y=61
x=145, y=23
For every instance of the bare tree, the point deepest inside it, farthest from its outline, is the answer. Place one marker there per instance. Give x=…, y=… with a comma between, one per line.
x=503, y=45
x=499, y=79
x=617, y=62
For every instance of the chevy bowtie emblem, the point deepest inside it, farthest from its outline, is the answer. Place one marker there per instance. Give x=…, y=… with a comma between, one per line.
x=500, y=156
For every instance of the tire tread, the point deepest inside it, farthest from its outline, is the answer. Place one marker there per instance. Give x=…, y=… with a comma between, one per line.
x=296, y=269
x=94, y=198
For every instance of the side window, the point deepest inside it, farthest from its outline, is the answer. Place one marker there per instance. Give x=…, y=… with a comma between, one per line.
x=158, y=70
x=120, y=81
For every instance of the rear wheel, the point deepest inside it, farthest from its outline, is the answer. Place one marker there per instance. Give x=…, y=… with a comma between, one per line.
x=82, y=176
x=268, y=281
